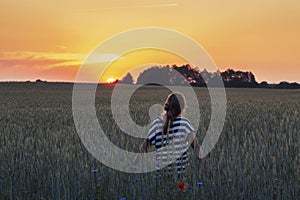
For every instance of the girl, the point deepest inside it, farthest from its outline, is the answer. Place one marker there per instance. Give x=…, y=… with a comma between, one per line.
x=172, y=134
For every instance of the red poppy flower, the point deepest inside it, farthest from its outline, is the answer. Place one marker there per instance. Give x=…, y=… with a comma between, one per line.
x=181, y=186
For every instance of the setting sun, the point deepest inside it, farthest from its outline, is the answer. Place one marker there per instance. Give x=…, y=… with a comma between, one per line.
x=111, y=80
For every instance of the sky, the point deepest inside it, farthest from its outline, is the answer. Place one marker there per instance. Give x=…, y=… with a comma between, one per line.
x=50, y=40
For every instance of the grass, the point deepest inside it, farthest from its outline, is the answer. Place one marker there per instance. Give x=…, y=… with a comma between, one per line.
x=41, y=156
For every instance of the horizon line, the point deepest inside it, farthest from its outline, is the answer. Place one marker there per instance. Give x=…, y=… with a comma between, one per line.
x=105, y=83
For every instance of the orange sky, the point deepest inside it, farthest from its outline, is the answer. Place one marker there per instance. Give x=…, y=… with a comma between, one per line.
x=50, y=39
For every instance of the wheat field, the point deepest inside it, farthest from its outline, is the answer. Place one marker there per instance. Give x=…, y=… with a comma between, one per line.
x=42, y=157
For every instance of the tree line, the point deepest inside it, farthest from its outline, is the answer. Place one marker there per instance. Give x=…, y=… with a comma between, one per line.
x=186, y=74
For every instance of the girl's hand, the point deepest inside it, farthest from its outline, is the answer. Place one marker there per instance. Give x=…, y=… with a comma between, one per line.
x=205, y=164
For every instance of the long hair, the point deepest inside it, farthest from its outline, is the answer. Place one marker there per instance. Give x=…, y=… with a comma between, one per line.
x=174, y=106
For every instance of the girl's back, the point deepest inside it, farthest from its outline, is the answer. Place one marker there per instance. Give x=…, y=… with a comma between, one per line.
x=171, y=148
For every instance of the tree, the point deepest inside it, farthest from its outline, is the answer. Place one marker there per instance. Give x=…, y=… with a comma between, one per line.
x=155, y=75
x=233, y=78
x=191, y=75
x=264, y=84
x=205, y=76
x=177, y=78
x=127, y=79
x=187, y=74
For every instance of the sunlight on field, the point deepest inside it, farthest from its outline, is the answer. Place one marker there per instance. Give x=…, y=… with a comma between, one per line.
x=41, y=156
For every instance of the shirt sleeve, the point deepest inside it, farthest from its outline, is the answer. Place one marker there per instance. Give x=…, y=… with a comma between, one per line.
x=189, y=126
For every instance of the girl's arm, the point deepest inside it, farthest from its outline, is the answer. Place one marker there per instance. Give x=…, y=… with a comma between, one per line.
x=193, y=141
x=145, y=146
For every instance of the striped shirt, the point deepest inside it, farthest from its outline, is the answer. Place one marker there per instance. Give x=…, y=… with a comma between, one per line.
x=171, y=148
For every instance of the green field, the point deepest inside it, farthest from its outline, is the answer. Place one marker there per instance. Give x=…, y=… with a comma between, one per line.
x=41, y=156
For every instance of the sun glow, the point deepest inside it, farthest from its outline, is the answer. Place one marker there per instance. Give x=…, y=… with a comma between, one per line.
x=110, y=80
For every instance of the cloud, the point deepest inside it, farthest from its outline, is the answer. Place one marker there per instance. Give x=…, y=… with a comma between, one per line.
x=101, y=58
x=131, y=6
x=38, y=59
x=48, y=59
x=27, y=65
x=145, y=6
x=63, y=47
